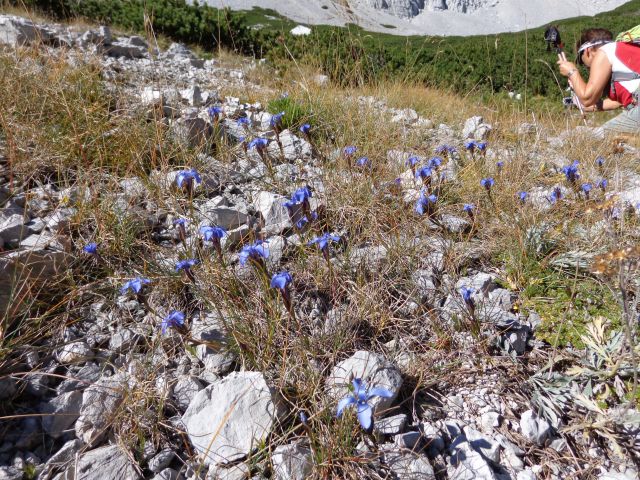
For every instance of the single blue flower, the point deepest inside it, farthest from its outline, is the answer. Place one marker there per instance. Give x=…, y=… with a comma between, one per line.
x=349, y=150
x=301, y=194
x=323, y=240
x=471, y=146
x=257, y=252
x=423, y=172
x=434, y=162
x=243, y=121
x=174, y=319
x=281, y=280
x=482, y=146
x=487, y=183
x=134, y=285
x=602, y=184
x=499, y=165
x=306, y=128
x=441, y=149
x=91, y=248
x=523, y=196
x=555, y=195
x=425, y=203
x=214, y=111
x=600, y=161
x=586, y=188
x=412, y=161
x=571, y=171
x=180, y=221
x=258, y=143
x=467, y=294
x=187, y=177
x=304, y=419
x=186, y=264
x=361, y=398
x=469, y=208
x=276, y=120
x=363, y=162
x=209, y=233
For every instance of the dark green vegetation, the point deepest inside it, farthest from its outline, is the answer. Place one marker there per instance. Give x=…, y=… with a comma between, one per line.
x=351, y=56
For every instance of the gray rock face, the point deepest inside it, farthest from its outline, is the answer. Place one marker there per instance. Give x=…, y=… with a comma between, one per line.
x=409, y=465
x=20, y=31
x=105, y=463
x=399, y=8
x=62, y=412
x=27, y=267
x=467, y=464
x=292, y=462
x=99, y=403
x=475, y=128
x=534, y=428
x=185, y=389
x=12, y=228
x=129, y=47
x=62, y=456
x=225, y=217
x=274, y=213
x=161, y=461
x=373, y=369
x=231, y=416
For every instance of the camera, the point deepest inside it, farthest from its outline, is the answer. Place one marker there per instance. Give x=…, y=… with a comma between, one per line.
x=567, y=101
x=552, y=37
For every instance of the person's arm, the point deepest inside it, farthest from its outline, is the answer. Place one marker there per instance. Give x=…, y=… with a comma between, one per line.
x=606, y=104
x=599, y=74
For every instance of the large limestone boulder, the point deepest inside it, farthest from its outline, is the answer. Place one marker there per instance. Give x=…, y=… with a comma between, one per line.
x=232, y=416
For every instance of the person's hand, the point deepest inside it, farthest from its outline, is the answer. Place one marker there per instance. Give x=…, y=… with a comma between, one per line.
x=566, y=67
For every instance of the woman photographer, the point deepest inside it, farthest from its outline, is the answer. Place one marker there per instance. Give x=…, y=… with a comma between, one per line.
x=613, y=67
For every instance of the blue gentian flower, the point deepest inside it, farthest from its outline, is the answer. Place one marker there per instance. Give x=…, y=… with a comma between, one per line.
x=571, y=171
x=258, y=143
x=276, y=120
x=600, y=161
x=586, y=188
x=306, y=128
x=487, y=183
x=499, y=165
x=174, y=319
x=469, y=208
x=257, y=251
x=187, y=178
x=523, y=196
x=435, y=162
x=214, y=111
x=425, y=204
x=304, y=419
x=423, y=172
x=363, y=162
x=281, y=280
x=602, y=184
x=471, y=146
x=134, y=285
x=441, y=149
x=349, y=150
x=361, y=398
x=186, y=264
x=467, y=294
x=210, y=233
x=323, y=240
x=91, y=248
x=482, y=146
x=412, y=161
x=243, y=121
x=555, y=195
x=180, y=221
x=301, y=194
